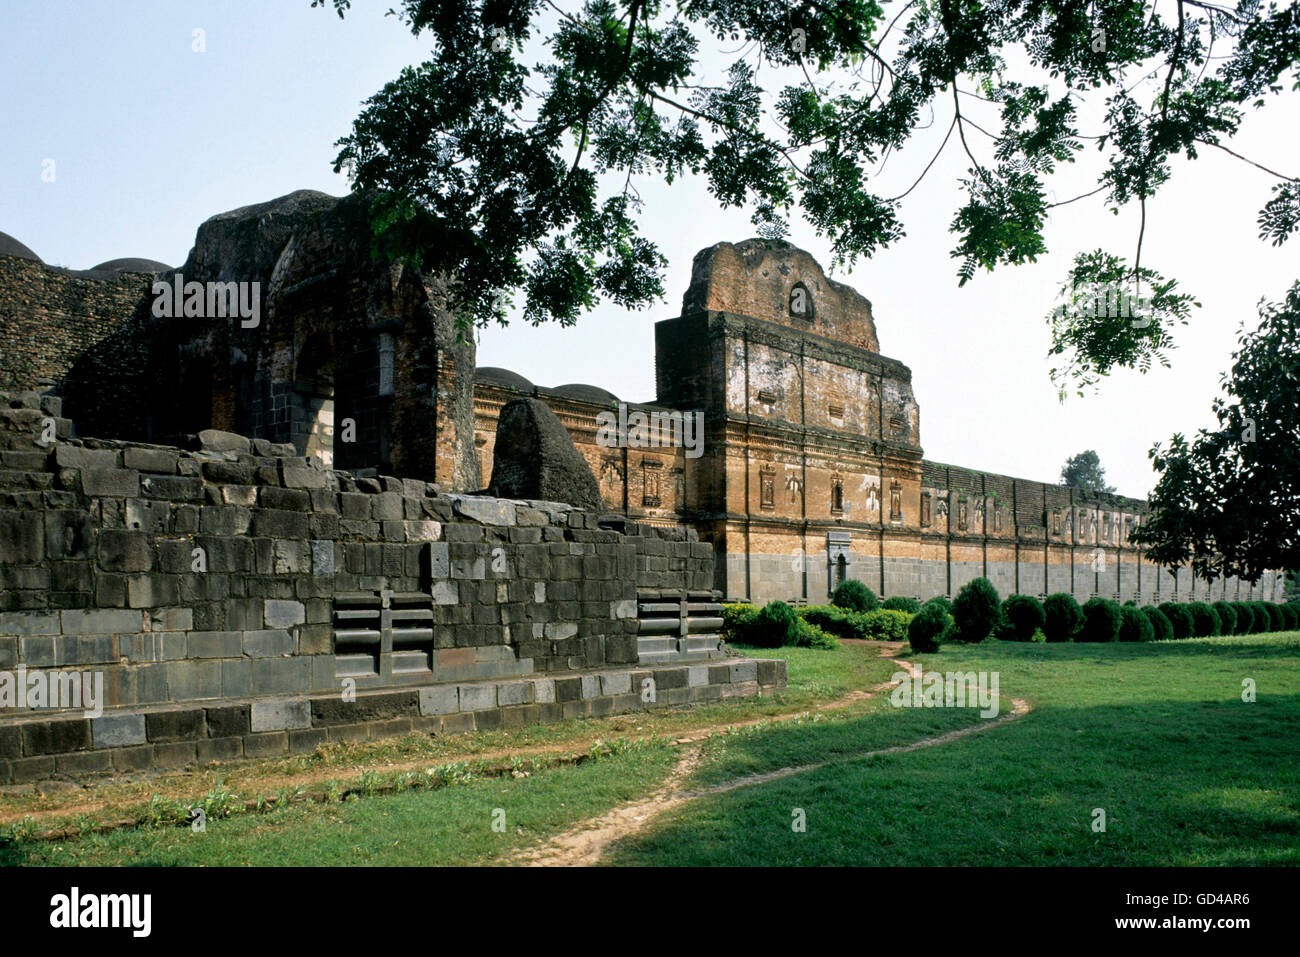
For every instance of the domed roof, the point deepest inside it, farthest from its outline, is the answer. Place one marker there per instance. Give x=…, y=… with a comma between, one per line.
x=12, y=247
x=132, y=265
x=491, y=375
x=585, y=393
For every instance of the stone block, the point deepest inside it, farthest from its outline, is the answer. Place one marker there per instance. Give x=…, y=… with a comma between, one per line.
x=183, y=725
x=102, y=621
x=228, y=721
x=280, y=715
x=22, y=538
x=514, y=692
x=269, y=643
x=615, y=682
x=281, y=613
x=125, y=551
x=30, y=623
x=478, y=697
x=440, y=699
x=150, y=460
x=214, y=440
x=743, y=671
x=116, y=731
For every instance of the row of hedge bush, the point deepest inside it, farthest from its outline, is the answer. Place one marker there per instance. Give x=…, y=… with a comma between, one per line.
x=978, y=613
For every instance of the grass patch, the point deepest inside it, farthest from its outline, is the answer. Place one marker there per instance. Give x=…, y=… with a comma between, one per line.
x=1157, y=735
x=449, y=825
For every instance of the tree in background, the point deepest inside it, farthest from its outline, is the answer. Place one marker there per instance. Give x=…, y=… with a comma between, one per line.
x=519, y=178
x=1228, y=502
x=1084, y=471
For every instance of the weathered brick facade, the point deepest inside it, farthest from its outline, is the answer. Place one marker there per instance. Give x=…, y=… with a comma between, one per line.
x=812, y=453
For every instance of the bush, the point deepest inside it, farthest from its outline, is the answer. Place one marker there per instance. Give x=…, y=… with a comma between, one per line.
x=901, y=603
x=835, y=621
x=1134, y=625
x=1263, y=620
x=941, y=600
x=1024, y=616
x=1227, y=617
x=1205, y=620
x=976, y=610
x=879, y=625
x=810, y=636
x=1274, y=612
x=1101, y=619
x=737, y=622
x=1062, y=616
x=775, y=626
x=927, y=627
x=1245, y=617
x=1180, y=618
x=887, y=624
x=853, y=595
x=1290, y=617
x=1159, y=621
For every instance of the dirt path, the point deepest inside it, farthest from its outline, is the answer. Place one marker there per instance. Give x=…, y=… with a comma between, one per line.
x=182, y=787
x=587, y=843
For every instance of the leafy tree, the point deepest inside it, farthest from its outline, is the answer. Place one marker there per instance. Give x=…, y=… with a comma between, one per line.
x=516, y=177
x=1084, y=471
x=1228, y=501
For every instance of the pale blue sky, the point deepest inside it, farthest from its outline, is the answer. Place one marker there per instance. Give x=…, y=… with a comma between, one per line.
x=150, y=138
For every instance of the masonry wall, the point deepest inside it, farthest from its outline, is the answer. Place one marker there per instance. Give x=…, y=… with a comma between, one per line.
x=90, y=338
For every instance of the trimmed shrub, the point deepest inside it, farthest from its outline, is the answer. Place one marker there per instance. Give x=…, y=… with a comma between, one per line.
x=887, y=624
x=1274, y=611
x=775, y=626
x=1164, y=631
x=854, y=596
x=926, y=629
x=1101, y=619
x=901, y=603
x=879, y=625
x=810, y=636
x=1180, y=618
x=1263, y=620
x=835, y=621
x=1227, y=617
x=1290, y=617
x=976, y=610
x=1024, y=616
x=1245, y=617
x=1205, y=620
x=940, y=600
x=1062, y=616
x=737, y=622
x=1134, y=625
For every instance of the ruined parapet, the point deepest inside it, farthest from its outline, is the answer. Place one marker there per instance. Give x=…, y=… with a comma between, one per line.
x=535, y=458
x=224, y=592
x=776, y=282
x=354, y=360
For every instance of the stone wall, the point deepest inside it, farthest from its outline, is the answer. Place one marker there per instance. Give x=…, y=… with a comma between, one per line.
x=89, y=337
x=234, y=575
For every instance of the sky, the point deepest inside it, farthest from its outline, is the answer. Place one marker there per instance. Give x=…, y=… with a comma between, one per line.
x=148, y=137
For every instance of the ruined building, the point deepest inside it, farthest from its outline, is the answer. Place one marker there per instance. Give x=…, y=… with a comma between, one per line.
x=807, y=467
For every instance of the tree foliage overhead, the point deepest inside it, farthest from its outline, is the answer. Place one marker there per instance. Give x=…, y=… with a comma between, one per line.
x=1228, y=501
x=521, y=177
x=1084, y=471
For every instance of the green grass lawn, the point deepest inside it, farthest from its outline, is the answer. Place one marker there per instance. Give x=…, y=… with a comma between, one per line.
x=1157, y=735
x=449, y=826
